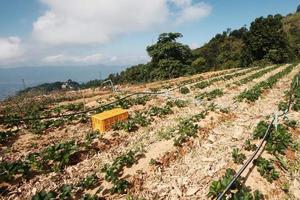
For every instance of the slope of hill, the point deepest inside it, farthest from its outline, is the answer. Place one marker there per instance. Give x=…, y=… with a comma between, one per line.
x=178, y=144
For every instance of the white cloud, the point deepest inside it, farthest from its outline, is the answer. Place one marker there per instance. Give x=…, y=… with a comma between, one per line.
x=10, y=48
x=98, y=21
x=192, y=12
x=97, y=58
x=69, y=59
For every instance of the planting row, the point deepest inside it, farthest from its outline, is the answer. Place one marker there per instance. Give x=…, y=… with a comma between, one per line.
x=255, y=75
x=256, y=91
x=204, y=84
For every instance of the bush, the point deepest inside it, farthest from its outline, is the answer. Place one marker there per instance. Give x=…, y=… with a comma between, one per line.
x=184, y=90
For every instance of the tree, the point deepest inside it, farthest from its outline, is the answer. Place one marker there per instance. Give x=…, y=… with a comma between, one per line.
x=266, y=40
x=298, y=8
x=168, y=48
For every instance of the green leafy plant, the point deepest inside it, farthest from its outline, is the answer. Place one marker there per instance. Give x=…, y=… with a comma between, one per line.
x=237, y=156
x=279, y=140
x=184, y=90
x=260, y=130
x=256, y=91
x=186, y=130
x=88, y=182
x=248, y=146
x=210, y=95
x=266, y=169
x=237, y=190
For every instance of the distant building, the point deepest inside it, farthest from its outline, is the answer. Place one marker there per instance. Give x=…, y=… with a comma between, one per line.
x=69, y=84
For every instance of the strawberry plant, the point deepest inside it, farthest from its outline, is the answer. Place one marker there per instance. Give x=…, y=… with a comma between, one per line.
x=184, y=90
x=63, y=193
x=237, y=156
x=113, y=171
x=256, y=75
x=186, y=130
x=256, y=91
x=282, y=106
x=266, y=169
x=7, y=136
x=278, y=141
x=9, y=170
x=237, y=190
x=248, y=146
x=158, y=111
x=260, y=130
x=88, y=182
x=210, y=95
x=179, y=103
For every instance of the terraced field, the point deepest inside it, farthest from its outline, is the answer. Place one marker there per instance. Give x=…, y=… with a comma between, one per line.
x=184, y=140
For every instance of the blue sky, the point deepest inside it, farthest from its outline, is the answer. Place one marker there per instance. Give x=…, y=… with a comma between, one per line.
x=114, y=32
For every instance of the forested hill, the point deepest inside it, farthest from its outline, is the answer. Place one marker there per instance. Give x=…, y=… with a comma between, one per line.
x=272, y=39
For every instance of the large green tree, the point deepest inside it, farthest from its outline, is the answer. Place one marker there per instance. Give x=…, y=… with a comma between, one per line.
x=169, y=58
x=168, y=48
x=266, y=40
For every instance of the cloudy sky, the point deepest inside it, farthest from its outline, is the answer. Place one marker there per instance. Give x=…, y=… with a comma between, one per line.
x=114, y=32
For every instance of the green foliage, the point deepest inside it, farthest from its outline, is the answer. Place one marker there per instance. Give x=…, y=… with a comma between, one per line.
x=249, y=147
x=88, y=182
x=256, y=75
x=237, y=156
x=179, y=103
x=159, y=111
x=6, y=136
x=260, y=130
x=63, y=193
x=266, y=169
x=278, y=140
x=184, y=90
x=210, y=95
x=221, y=52
x=112, y=172
x=282, y=106
x=186, y=130
x=256, y=91
x=9, y=170
x=237, y=190
x=90, y=197
x=266, y=39
x=290, y=123
x=43, y=195
x=167, y=48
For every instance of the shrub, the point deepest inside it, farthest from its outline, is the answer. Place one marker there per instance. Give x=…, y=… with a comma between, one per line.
x=184, y=90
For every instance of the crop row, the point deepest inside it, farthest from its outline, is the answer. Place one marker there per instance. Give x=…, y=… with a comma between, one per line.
x=204, y=84
x=210, y=95
x=50, y=159
x=256, y=91
x=68, y=191
x=40, y=126
x=255, y=75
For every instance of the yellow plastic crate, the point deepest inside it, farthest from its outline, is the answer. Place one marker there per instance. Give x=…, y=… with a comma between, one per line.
x=104, y=121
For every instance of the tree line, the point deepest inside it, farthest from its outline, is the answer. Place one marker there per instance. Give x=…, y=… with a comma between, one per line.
x=271, y=39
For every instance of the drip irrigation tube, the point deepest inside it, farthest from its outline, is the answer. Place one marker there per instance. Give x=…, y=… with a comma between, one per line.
x=108, y=104
x=242, y=169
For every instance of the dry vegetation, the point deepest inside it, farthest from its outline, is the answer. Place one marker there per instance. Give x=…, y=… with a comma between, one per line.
x=186, y=143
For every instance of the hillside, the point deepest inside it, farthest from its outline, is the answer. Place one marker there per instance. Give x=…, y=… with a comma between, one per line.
x=218, y=122
x=177, y=144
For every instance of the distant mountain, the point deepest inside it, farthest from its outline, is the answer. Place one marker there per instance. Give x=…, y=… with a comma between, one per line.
x=11, y=78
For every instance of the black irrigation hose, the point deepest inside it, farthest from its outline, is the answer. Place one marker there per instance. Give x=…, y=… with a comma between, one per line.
x=86, y=111
x=242, y=169
x=90, y=110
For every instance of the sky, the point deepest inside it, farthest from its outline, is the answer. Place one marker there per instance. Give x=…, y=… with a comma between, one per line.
x=115, y=32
